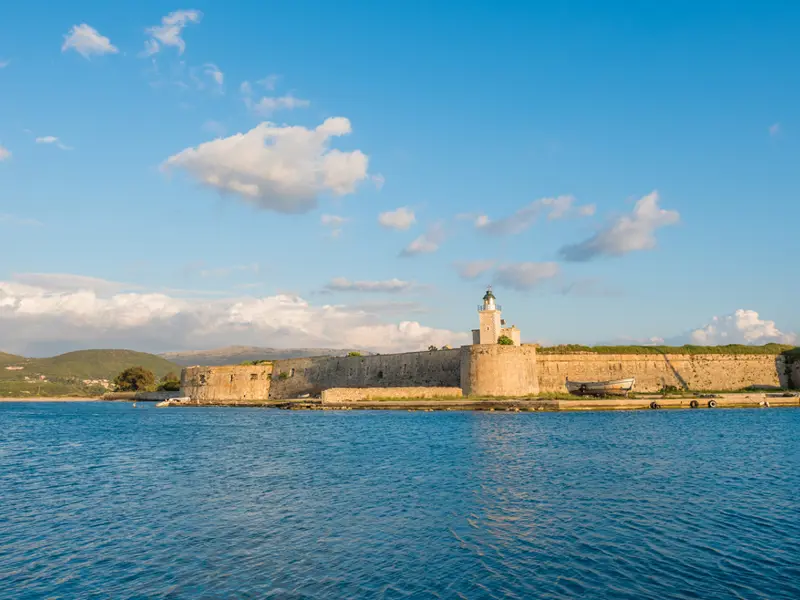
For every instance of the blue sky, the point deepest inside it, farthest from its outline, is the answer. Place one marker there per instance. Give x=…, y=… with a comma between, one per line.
x=520, y=135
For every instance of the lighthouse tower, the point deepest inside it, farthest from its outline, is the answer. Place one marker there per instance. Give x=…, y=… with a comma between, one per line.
x=492, y=326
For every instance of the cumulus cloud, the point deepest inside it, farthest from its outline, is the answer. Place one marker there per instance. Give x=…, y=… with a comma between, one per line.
x=341, y=284
x=742, y=327
x=524, y=275
x=427, y=243
x=169, y=32
x=471, y=270
x=558, y=207
x=401, y=218
x=5, y=153
x=270, y=104
x=86, y=41
x=41, y=321
x=52, y=140
x=627, y=233
x=280, y=168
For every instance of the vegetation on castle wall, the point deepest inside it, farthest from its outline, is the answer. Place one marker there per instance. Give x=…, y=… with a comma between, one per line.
x=773, y=349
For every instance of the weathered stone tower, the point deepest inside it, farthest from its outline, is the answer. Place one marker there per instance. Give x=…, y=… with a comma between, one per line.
x=491, y=323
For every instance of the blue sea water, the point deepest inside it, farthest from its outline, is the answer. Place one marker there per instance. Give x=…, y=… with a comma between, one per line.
x=104, y=500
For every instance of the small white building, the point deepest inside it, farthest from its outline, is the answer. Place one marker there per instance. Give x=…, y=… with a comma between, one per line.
x=492, y=325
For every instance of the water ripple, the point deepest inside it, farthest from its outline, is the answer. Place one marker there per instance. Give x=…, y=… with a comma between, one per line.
x=108, y=501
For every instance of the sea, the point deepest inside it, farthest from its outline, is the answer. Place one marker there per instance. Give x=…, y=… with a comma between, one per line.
x=108, y=500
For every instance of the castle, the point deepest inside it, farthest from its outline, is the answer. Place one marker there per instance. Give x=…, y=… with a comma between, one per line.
x=495, y=365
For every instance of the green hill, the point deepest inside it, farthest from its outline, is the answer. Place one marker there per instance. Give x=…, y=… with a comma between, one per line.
x=9, y=359
x=83, y=372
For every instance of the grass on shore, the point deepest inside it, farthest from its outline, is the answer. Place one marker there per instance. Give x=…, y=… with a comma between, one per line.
x=766, y=349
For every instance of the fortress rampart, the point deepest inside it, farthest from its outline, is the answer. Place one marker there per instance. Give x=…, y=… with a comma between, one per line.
x=298, y=376
x=482, y=371
x=717, y=372
x=232, y=384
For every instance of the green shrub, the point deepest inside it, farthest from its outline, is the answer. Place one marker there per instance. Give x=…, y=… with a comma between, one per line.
x=354, y=354
x=135, y=379
x=504, y=340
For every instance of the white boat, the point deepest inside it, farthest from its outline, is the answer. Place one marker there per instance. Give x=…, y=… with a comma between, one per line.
x=616, y=387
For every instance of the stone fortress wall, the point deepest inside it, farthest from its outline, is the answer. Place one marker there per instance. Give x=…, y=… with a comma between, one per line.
x=695, y=372
x=482, y=371
x=295, y=377
x=230, y=384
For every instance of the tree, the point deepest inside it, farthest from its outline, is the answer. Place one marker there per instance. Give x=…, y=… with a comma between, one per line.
x=432, y=348
x=135, y=379
x=354, y=354
x=504, y=340
x=170, y=383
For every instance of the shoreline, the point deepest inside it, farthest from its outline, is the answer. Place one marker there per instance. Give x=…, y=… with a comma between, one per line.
x=53, y=399
x=544, y=403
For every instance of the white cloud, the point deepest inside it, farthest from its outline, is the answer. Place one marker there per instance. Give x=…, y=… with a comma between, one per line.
x=211, y=70
x=86, y=41
x=333, y=220
x=42, y=321
x=169, y=32
x=379, y=180
x=280, y=168
x=245, y=88
x=4, y=63
x=50, y=139
x=775, y=129
x=7, y=219
x=627, y=233
x=5, y=153
x=401, y=218
x=269, y=82
x=427, y=243
x=741, y=327
x=472, y=270
x=341, y=284
x=67, y=282
x=558, y=207
x=269, y=104
x=525, y=275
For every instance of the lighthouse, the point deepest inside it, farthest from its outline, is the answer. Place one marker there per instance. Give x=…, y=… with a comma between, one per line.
x=491, y=323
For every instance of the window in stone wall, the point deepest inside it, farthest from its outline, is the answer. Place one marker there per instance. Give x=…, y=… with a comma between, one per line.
x=380, y=374
x=291, y=373
x=253, y=376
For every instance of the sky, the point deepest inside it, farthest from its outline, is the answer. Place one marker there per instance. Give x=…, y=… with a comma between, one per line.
x=355, y=174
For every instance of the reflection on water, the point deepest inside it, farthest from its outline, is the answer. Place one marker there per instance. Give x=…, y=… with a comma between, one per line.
x=207, y=503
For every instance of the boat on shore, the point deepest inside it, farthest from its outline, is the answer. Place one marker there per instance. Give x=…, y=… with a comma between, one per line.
x=615, y=387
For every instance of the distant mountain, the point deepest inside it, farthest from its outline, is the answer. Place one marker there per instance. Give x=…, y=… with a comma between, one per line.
x=234, y=355
x=82, y=372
